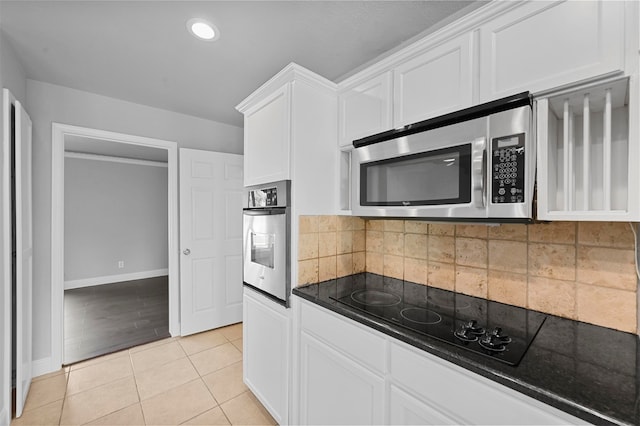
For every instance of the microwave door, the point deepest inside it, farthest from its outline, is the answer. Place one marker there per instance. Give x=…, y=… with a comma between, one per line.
x=444, y=182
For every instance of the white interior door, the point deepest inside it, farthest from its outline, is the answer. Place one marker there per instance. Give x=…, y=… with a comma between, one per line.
x=24, y=257
x=211, y=186
x=5, y=265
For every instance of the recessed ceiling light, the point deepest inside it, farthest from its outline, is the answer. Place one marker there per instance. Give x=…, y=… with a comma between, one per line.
x=202, y=29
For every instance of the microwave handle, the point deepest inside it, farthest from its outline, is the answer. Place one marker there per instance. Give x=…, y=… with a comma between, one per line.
x=479, y=172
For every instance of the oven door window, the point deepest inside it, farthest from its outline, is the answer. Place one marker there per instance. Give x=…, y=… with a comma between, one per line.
x=263, y=249
x=441, y=176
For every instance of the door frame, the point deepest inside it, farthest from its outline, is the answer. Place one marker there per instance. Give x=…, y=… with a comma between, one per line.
x=5, y=168
x=59, y=131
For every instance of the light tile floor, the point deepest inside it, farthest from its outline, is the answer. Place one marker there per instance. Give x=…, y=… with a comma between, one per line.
x=195, y=380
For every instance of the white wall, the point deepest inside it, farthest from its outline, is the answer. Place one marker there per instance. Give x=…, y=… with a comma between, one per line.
x=50, y=103
x=12, y=77
x=113, y=211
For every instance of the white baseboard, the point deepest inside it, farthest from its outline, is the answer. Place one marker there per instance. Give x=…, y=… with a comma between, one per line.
x=88, y=282
x=43, y=366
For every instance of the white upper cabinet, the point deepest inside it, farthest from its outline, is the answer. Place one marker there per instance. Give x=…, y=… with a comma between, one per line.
x=365, y=109
x=267, y=138
x=542, y=45
x=290, y=127
x=436, y=82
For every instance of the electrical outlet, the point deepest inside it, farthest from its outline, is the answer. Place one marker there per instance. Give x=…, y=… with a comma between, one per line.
x=120, y=264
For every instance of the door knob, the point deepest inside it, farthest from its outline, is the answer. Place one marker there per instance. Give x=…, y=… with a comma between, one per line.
x=186, y=252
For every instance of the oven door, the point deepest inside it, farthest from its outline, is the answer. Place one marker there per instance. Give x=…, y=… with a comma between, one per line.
x=266, y=252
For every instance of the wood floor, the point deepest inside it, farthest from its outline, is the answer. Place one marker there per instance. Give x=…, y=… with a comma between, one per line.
x=102, y=319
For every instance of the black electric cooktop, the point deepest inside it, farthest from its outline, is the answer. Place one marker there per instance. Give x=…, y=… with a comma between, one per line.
x=496, y=330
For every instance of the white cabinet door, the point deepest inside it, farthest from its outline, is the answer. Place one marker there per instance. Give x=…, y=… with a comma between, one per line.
x=210, y=240
x=435, y=83
x=266, y=353
x=335, y=389
x=542, y=45
x=405, y=409
x=267, y=137
x=365, y=109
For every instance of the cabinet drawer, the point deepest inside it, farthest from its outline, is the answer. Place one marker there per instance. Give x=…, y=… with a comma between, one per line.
x=345, y=336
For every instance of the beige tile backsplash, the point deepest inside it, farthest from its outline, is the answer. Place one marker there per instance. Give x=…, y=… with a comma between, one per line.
x=578, y=270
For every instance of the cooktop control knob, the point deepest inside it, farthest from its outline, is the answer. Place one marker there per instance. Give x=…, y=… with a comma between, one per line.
x=497, y=332
x=474, y=327
x=469, y=331
x=494, y=340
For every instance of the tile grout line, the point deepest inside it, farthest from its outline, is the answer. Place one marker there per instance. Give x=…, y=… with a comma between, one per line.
x=64, y=397
x=205, y=384
x=135, y=381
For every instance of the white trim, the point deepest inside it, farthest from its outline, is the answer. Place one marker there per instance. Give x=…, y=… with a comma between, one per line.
x=5, y=192
x=109, y=158
x=457, y=27
x=289, y=73
x=43, y=366
x=4, y=417
x=113, y=279
x=57, y=225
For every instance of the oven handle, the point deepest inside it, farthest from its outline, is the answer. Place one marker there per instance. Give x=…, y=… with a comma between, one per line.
x=264, y=212
x=480, y=172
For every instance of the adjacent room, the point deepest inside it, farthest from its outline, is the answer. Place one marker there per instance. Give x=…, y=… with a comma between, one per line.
x=115, y=247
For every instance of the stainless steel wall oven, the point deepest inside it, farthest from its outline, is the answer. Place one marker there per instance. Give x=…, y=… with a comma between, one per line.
x=267, y=240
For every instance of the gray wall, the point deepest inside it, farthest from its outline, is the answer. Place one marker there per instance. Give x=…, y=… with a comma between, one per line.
x=12, y=77
x=50, y=103
x=113, y=211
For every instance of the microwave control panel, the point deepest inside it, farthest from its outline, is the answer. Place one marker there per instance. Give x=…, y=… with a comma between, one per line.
x=507, y=169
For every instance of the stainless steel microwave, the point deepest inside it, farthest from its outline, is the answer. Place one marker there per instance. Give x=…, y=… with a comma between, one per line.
x=477, y=164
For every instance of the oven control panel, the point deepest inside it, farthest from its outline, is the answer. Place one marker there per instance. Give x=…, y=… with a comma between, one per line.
x=507, y=169
x=264, y=197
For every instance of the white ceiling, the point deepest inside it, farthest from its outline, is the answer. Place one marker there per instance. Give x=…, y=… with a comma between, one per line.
x=140, y=51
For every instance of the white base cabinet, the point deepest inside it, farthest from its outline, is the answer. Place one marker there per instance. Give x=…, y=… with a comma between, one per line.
x=266, y=351
x=464, y=397
x=405, y=409
x=347, y=373
x=334, y=389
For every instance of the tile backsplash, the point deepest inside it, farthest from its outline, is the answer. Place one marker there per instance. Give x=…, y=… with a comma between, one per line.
x=579, y=270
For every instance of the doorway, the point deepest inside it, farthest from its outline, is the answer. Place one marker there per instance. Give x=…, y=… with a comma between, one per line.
x=115, y=251
x=111, y=145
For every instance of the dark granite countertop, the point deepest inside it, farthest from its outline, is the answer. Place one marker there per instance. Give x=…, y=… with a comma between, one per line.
x=588, y=371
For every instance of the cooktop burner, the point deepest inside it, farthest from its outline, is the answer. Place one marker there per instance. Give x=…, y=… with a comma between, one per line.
x=501, y=332
x=375, y=298
x=447, y=302
x=420, y=316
